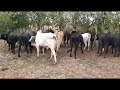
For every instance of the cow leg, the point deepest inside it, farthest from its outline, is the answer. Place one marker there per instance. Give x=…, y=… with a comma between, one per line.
x=85, y=46
x=82, y=48
x=71, y=50
x=106, y=50
x=19, y=49
x=75, y=50
x=67, y=41
x=26, y=48
x=100, y=50
x=13, y=48
x=98, y=47
x=118, y=54
x=112, y=49
x=54, y=54
x=91, y=45
x=88, y=45
x=64, y=39
x=51, y=56
x=43, y=51
x=37, y=51
x=115, y=52
x=118, y=51
x=31, y=47
x=58, y=46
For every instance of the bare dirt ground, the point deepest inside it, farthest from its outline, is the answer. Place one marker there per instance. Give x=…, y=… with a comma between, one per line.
x=88, y=65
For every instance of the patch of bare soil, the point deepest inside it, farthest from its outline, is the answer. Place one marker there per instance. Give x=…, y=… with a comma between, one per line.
x=87, y=65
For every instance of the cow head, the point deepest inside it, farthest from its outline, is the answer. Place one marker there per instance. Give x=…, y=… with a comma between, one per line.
x=32, y=40
x=3, y=36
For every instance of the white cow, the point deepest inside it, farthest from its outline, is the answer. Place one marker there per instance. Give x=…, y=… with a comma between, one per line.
x=86, y=39
x=45, y=40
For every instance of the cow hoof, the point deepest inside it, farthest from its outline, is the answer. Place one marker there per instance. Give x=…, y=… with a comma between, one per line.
x=70, y=55
x=18, y=55
x=117, y=55
x=114, y=55
x=55, y=63
x=104, y=57
x=75, y=57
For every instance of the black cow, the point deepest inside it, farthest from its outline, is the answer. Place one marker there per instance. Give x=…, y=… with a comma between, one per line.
x=103, y=42
x=24, y=40
x=67, y=36
x=115, y=44
x=11, y=39
x=75, y=40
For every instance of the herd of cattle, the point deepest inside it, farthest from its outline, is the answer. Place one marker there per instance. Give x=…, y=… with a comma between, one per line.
x=52, y=39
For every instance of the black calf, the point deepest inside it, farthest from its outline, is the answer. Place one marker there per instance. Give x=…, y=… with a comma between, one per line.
x=75, y=40
x=24, y=40
x=11, y=39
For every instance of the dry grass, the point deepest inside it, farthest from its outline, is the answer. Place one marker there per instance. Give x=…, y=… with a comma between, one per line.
x=88, y=65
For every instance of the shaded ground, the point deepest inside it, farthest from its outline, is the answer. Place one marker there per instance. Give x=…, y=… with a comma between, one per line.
x=88, y=65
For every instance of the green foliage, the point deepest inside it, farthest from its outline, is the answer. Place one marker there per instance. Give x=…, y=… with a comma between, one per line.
x=13, y=20
x=21, y=20
x=75, y=19
x=40, y=19
x=103, y=21
x=5, y=22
